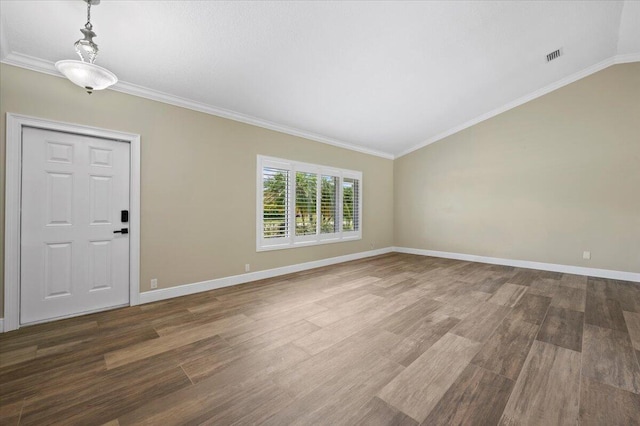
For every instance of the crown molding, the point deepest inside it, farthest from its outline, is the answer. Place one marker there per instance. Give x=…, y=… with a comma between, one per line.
x=618, y=59
x=47, y=67
x=627, y=58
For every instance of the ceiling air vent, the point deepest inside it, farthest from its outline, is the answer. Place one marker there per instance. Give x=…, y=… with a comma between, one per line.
x=554, y=55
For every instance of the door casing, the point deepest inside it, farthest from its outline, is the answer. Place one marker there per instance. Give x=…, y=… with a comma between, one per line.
x=13, y=192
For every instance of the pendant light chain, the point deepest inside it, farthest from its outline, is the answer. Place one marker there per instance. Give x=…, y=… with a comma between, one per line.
x=88, y=24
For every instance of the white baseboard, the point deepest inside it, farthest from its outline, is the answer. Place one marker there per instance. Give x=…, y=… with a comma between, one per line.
x=183, y=290
x=568, y=269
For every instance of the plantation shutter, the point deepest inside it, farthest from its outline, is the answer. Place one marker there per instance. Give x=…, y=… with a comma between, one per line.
x=306, y=203
x=276, y=186
x=350, y=204
x=330, y=193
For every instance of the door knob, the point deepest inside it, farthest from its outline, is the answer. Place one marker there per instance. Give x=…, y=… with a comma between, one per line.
x=122, y=231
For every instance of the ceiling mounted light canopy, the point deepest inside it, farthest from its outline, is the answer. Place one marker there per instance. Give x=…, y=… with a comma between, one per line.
x=85, y=73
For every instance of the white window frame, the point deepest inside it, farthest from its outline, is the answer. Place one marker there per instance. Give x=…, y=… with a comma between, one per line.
x=291, y=240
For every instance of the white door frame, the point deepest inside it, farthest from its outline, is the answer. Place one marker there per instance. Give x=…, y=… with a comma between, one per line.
x=13, y=192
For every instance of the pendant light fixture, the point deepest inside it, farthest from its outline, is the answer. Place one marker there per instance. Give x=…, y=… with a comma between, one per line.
x=85, y=73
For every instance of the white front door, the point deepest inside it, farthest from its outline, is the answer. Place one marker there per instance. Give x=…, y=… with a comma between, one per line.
x=74, y=189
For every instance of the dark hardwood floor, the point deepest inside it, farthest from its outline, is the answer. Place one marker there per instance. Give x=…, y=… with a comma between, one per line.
x=391, y=340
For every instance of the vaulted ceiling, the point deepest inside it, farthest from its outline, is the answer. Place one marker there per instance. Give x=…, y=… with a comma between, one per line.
x=380, y=77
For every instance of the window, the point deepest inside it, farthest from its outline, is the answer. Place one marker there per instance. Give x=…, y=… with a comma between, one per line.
x=303, y=204
x=350, y=206
x=275, y=184
x=329, y=193
x=306, y=203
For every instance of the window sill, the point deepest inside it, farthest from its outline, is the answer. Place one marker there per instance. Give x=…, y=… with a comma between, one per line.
x=300, y=244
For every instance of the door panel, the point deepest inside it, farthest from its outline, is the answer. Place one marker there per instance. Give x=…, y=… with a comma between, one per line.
x=57, y=266
x=59, y=198
x=73, y=189
x=100, y=265
x=99, y=198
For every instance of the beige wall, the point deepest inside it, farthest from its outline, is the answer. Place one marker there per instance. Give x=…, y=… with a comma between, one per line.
x=198, y=179
x=542, y=182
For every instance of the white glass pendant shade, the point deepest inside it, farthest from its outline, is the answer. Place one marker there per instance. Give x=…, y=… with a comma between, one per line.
x=88, y=76
x=84, y=73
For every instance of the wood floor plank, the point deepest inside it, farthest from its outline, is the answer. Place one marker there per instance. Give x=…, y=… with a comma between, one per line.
x=378, y=413
x=506, y=350
x=39, y=378
x=305, y=376
x=62, y=348
x=523, y=277
x=531, y=308
x=275, y=338
x=395, y=290
x=330, y=316
x=429, y=331
x=417, y=389
x=602, y=404
x=336, y=332
x=406, y=320
x=394, y=279
x=508, y=295
x=550, y=275
x=44, y=335
x=543, y=287
x=277, y=310
x=461, y=303
x=250, y=330
x=604, y=312
x=562, y=327
x=624, y=292
x=481, y=322
x=251, y=408
x=341, y=396
x=17, y=356
x=629, y=297
x=246, y=367
x=350, y=285
x=569, y=298
x=170, y=341
x=546, y=392
x=10, y=412
x=18, y=378
x=82, y=403
x=346, y=297
x=574, y=281
x=478, y=396
x=197, y=403
x=609, y=358
x=490, y=284
x=219, y=356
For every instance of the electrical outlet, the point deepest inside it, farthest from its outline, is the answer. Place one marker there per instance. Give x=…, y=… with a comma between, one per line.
x=154, y=283
x=247, y=267
x=586, y=255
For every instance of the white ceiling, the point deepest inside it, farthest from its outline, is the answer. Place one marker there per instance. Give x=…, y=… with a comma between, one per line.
x=384, y=77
